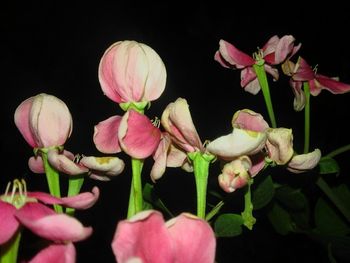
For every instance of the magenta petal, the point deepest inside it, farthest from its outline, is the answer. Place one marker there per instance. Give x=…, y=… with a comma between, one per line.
x=332, y=85
x=138, y=137
x=36, y=164
x=56, y=253
x=249, y=120
x=106, y=135
x=234, y=56
x=284, y=48
x=247, y=76
x=193, y=239
x=64, y=164
x=82, y=201
x=8, y=222
x=221, y=60
x=303, y=72
x=22, y=121
x=46, y=223
x=143, y=236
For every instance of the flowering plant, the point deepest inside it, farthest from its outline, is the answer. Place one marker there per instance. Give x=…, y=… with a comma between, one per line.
x=247, y=163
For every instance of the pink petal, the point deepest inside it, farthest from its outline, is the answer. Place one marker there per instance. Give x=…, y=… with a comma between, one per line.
x=332, y=85
x=49, y=225
x=64, y=164
x=253, y=87
x=193, y=239
x=221, y=60
x=234, y=56
x=107, y=165
x=50, y=120
x=302, y=71
x=137, y=135
x=177, y=121
x=258, y=163
x=280, y=145
x=143, y=236
x=249, y=120
x=8, y=223
x=299, y=95
x=106, y=135
x=160, y=157
x=239, y=142
x=284, y=47
x=22, y=121
x=272, y=71
x=247, y=76
x=304, y=162
x=36, y=164
x=176, y=157
x=270, y=46
x=56, y=253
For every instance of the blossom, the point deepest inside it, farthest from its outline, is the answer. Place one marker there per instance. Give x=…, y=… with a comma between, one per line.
x=274, y=52
x=131, y=72
x=147, y=238
x=23, y=208
x=46, y=123
x=301, y=72
x=304, y=162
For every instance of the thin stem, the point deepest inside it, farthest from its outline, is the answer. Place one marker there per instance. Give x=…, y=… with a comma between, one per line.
x=53, y=180
x=247, y=215
x=9, y=250
x=262, y=78
x=307, y=117
x=135, y=199
x=338, y=151
x=74, y=185
x=336, y=201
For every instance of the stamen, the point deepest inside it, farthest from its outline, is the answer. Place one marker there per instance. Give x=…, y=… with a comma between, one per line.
x=156, y=122
x=7, y=188
x=18, y=194
x=78, y=157
x=315, y=69
x=206, y=142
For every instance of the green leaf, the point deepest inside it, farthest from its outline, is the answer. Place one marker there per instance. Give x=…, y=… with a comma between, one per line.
x=280, y=219
x=228, y=225
x=291, y=198
x=328, y=221
x=343, y=193
x=150, y=196
x=214, y=211
x=328, y=165
x=263, y=193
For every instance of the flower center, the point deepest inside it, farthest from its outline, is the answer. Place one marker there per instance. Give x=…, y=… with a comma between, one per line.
x=156, y=122
x=259, y=57
x=315, y=69
x=18, y=195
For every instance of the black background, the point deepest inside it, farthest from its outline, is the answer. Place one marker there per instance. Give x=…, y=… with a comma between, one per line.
x=55, y=48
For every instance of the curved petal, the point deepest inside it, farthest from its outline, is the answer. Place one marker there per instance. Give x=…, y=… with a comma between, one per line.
x=272, y=71
x=332, y=85
x=106, y=135
x=107, y=165
x=299, y=95
x=221, y=60
x=193, y=239
x=160, y=157
x=249, y=120
x=270, y=47
x=64, y=164
x=36, y=164
x=56, y=253
x=239, y=142
x=247, y=76
x=137, y=135
x=304, y=162
x=253, y=87
x=8, y=222
x=143, y=236
x=177, y=121
x=234, y=56
x=280, y=145
x=258, y=163
x=284, y=47
x=50, y=120
x=49, y=225
x=21, y=119
x=302, y=71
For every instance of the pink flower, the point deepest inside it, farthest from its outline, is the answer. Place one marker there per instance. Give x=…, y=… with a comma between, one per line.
x=147, y=238
x=131, y=72
x=274, y=52
x=23, y=208
x=302, y=72
x=133, y=133
x=304, y=162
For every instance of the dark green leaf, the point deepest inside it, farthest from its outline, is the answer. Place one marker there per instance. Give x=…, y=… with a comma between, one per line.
x=280, y=219
x=262, y=193
x=291, y=198
x=228, y=225
x=328, y=165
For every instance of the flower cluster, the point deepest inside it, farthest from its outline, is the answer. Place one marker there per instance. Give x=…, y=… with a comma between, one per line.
x=133, y=75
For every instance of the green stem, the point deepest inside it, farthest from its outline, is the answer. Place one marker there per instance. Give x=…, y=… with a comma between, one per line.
x=339, y=151
x=74, y=185
x=135, y=199
x=262, y=78
x=201, y=162
x=9, y=250
x=53, y=180
x=247, y=215
x=307, y=117
x=336, y=201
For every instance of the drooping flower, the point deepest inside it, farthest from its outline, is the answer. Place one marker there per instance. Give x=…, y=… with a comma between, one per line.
x=301, y=72
x=304, y=162
x=147, y=238
x=274, y=52
x=131, y=72
x=22, y=208
x=46, y=123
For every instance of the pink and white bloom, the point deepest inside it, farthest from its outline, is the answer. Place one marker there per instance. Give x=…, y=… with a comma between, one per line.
x=274, y=52
x=301, y=72
x=304, y=162
x=147, y=238
x=22, y=208
x=131, y=72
